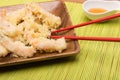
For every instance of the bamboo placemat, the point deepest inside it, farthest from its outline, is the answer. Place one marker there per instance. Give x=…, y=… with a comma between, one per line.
x=96, y=61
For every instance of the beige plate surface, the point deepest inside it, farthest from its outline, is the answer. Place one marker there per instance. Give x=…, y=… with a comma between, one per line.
x=58, y=8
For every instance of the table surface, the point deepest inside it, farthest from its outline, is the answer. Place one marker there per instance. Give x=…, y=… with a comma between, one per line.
x=96, y=61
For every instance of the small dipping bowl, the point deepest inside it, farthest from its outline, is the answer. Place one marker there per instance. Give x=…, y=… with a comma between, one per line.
x=97, y=9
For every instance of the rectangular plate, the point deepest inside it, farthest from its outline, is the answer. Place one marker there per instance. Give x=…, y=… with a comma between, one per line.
x=58, y=8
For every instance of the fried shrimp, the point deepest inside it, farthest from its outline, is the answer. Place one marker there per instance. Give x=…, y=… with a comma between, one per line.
x=17, y=47
x=44, y=16
x=16, y=17
x=49, y=45
x=7, y=28
x=3, y=51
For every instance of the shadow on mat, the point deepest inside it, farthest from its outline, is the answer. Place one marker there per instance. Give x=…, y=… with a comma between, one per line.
x=39, y=64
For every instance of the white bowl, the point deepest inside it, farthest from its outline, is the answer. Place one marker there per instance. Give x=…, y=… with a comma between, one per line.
x=111, y=6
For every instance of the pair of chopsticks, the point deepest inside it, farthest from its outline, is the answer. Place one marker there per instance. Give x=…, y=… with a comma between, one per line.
x=87, y=23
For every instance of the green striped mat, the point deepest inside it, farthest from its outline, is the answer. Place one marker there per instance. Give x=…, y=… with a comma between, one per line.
x=96, y=61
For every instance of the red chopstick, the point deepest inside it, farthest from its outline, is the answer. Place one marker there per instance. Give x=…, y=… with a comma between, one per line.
x=89, y=38
x=89, y=22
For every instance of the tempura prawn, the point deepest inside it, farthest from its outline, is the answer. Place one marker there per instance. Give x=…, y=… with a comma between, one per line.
x=3, y=51
x=17, y=47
